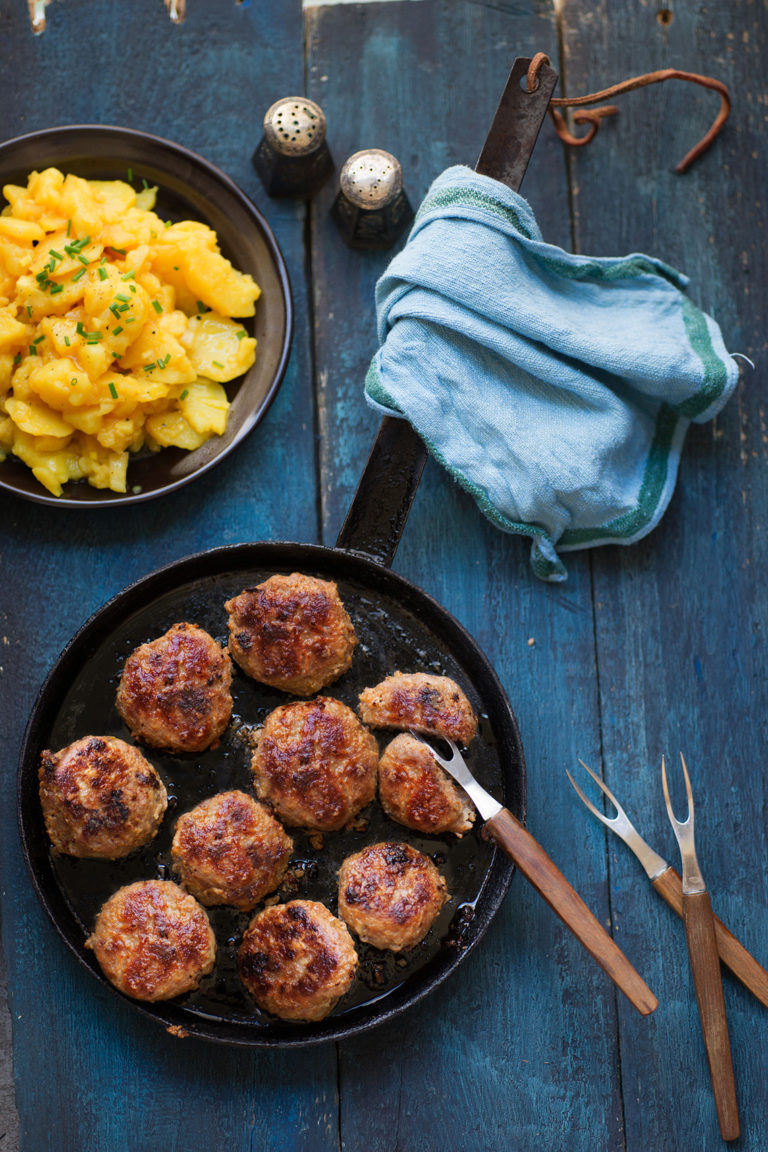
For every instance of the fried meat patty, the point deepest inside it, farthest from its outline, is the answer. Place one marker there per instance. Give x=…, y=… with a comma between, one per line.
x=432, y=704
x=297, y=960
x=174, y=691
x=153, y=941
x=291, y=632
x=100, y=798
x=230, y=850
x=390, y=895
x=315, y=764
x=415, y=791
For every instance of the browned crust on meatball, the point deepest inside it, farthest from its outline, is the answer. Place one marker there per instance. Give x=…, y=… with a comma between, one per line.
x=432, y=704
x=153, y=941
x=390, y=895
x=415, y=791
x=297, y=960
x=315, y=764
x=174, y=691
x=291, y=632
x=100, y=798
x=229, y=849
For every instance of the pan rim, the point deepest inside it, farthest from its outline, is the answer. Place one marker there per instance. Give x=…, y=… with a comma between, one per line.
x=99, y=624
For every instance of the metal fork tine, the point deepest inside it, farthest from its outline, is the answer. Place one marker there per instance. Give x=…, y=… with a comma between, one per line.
x=604, y=788
x=595, y=811
x=676, y=823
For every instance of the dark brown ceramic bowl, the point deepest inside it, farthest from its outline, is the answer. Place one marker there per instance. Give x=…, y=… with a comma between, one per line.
x=188, y=188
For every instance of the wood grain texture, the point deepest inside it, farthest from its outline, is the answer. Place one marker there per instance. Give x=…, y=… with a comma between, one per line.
x=519, y=1046
x=89, y=1072
x=731, y=951
x=705, y=969
x=681, y=617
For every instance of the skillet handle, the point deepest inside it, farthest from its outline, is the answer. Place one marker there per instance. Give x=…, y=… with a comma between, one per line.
x=550, y=883
x=380, y=506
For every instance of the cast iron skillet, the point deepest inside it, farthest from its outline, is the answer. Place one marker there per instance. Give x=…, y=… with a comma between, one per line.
x=189, y=188
x=398, y=626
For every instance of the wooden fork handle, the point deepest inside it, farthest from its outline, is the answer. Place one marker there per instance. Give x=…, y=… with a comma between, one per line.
x=550, y=883
x=705, y=966
x=732, y=951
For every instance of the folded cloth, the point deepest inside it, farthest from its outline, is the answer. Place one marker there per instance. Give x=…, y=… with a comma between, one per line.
x=557, y=389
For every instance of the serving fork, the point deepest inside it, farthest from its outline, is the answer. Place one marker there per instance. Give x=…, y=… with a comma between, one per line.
x=705, y=965
x=668, y=883
x=549, y=882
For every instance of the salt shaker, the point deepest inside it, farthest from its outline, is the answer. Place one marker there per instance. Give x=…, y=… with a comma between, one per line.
x=371, y=208
x=293, y=158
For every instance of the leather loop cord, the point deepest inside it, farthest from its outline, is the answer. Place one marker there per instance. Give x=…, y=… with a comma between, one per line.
x=593, y=116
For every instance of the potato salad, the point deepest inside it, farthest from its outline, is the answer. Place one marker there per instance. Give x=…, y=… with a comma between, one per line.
x=118, y=329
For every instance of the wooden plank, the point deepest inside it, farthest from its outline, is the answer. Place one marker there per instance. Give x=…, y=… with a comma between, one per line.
x=90, y=1073
x=680, y=617
x=518, y=1048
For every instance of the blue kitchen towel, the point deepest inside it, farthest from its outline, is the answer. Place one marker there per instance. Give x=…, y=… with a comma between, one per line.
x=557, y=389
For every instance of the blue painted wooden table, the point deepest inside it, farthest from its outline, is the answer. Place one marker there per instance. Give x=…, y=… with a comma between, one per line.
x=647, y=649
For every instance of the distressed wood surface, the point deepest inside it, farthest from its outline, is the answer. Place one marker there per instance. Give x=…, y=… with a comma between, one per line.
x=657, y=647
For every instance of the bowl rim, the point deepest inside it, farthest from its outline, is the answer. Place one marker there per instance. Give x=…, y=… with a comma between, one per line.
x=106, y=498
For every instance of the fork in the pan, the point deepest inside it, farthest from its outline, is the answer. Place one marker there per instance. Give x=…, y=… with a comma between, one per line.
x=668, y=884
x=548, y=881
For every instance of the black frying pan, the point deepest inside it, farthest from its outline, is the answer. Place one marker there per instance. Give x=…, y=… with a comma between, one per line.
x=399, y=627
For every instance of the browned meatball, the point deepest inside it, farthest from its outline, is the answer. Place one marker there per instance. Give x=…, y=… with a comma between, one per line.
x=153, y=940
x=296, y=960
x=100, y=798
x=415, y=791
x=315, y=764
x=432, y=704
x=390, y=895
x=230, y=850
x=291, y=632
x=174, y=691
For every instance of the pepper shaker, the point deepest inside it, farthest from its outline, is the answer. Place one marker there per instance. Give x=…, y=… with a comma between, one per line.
x=293, y=158
x=371, y=208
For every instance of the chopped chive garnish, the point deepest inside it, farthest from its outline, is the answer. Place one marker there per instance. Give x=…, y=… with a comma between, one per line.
x=56, y=288
x=69, y=227
x=145, y=185
x=120, y=251
x=130, y=319
x=123, y=307
x=157, y=306
x=66, y=341
x=164, y=362
x=115, y=311
x=168, y=223
x=184, y=394
x=79, y=275
x=29, y=310
x=149, y=367
x=93, y=337
x=217, y=364
x=130, y=175
x=56, y=255
x=73, y=382
x=175, y=267
x=32, y=350
x=121, y=296
x=133, y=287
x=83, y=259
x=136, y=489
x=80, y=329
x=118, y=330
x=39, y=338
x=17, y=358
x=117, y=355
x=241, y=333
x=112, y=390
x=128, y=275
x=103, y=275
x=201, y=307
